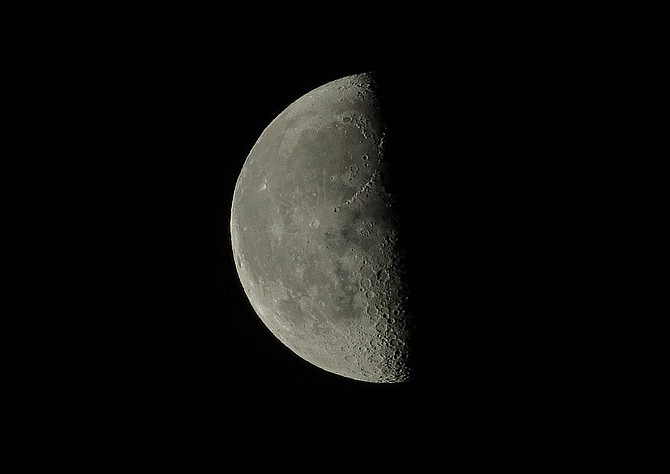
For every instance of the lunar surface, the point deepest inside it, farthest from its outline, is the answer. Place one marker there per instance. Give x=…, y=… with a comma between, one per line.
x=315, y=234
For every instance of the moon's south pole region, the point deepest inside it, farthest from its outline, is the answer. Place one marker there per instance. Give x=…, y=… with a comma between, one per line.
x=314, y=232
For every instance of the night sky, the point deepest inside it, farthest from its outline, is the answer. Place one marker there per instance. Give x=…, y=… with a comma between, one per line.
x=519, y=144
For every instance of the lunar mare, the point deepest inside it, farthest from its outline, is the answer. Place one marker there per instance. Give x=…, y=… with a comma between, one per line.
x=315, y=234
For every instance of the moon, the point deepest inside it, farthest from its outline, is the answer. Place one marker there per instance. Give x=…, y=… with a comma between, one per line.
x=314, y=231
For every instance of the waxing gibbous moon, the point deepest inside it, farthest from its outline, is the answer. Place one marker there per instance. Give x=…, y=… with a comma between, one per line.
x=314, y=234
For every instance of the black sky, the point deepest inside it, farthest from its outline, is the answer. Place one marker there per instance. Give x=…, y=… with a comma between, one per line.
x=520, y=145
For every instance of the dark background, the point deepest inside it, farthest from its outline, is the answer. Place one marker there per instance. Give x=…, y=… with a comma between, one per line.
x=533, y=203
